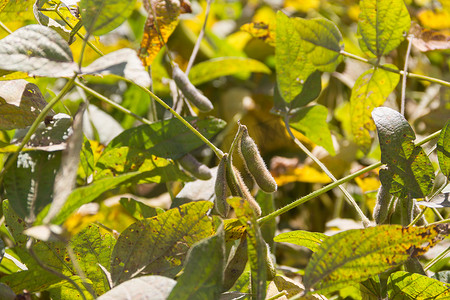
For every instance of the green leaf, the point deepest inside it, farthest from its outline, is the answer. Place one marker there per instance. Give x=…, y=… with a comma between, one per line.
x=38, y=51
x=154, y=286
x=310, y=240
x=89, y=193
x=101, y=16
x=159, y=245
x=409, y=171
x=321, y=42
x=29, y=182
x=6, y=293
x=382, y=25
x=123, y=160
x=93, y=247
x=33, y=280
x=443, y=150
x=257, y=253
x=355, y=255
x=224, y=66
x=208, y=256
x=167, y=138
x=20, y=104
x=292, y=65
x=137, y=209
x=371, y=90
x=311, y=90
x=312, y=122
x=416, y=286
x=121, y=63
x=302, y=47
x=17, y=10
x=16, y=224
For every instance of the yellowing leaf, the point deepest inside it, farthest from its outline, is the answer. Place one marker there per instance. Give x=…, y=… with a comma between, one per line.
x=434, y=19
x=356, y=255
x=302, y=6
x=302, y=174
x=371, y=90
x=157, y=32
x=262, y=31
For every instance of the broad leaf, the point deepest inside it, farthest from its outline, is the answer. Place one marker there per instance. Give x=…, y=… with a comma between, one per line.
x=89, y=193
x=137, y=209
x=312, y=122
x=224, y=66
x=167, y=138
x=416, y=286
x=203, y=272
x=382, y=25
x=142, y=288
x=304, y=46
x=92, y=248
x=371, y=90
x=33, y=280
x=356, y=255
x=122, y=63
x=257, y=254
x=101, y=16
x=38, y=51
x=310, y=240
x=166, y=13
x=409, y=171
x=29, y=182
x=159, y=245
x=443, y=150
x=16, y=224
x=20, y=104
x=293, y=67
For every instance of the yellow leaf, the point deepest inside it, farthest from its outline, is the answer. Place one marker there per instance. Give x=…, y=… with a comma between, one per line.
x=435, y=19
x=302, y=6
x=156, y=33
x=302, y=174
x=261, y=31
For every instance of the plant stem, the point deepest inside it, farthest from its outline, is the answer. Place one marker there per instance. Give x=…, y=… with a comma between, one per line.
x=199, y=39
x=436, y=259
x=36, y=123
x=216, y=150
x=405, y=72
x=3, y=26
x=336, y=184
x=112, y=103
x=349, y=197
x=410, y=75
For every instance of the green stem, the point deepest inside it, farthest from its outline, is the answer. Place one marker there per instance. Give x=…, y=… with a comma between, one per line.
x=410, y=75
x=349, y=197
x=216, y=150
x=36, y=123
x=436, y=259
x=112, y=103
x=336, y=184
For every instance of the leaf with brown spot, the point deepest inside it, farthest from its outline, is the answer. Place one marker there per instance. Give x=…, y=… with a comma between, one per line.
x=355, y=255
x=159, y=245
x=429, y=40
x=166, y=13
x=262, y=31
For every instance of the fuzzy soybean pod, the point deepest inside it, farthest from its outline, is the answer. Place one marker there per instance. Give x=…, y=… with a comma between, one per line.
x=221, y=188
x=193, y=166
x=189, y=90
x=246, y=194
x=255, y=163
x=381, y=209
x=271, y=272
x=236, y=265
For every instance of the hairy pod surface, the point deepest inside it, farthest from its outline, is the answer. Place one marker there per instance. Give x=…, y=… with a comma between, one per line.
x=193, y=166
x=190, y=91
x=381, y=209
x=255, y=164
x=235, y=266
x=221, y=188
x=271, y=272
x=246, y=193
